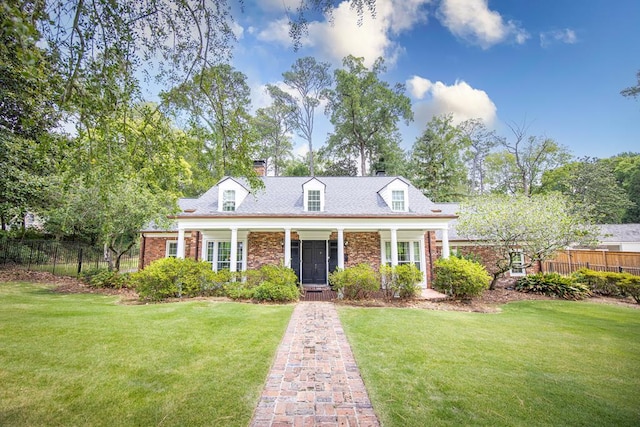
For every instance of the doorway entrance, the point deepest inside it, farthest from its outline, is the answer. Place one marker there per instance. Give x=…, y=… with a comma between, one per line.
x=314, y=262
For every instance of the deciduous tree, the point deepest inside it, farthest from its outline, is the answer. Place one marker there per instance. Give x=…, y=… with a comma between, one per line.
x=365, y=112
x=437, y=164
x=538, y=226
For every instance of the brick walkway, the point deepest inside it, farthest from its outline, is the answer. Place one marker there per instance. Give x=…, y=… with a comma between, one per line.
x=314, y=380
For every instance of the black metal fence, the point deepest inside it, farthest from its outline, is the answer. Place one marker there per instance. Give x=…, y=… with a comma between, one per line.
x=62, y=258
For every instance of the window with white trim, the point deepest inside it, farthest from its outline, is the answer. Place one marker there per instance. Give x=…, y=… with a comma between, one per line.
x=517, y=264
x=408, y=253
x=219, y=255
x=229, y=200
x=313, y=201
x=397, y=200
x=172, y=249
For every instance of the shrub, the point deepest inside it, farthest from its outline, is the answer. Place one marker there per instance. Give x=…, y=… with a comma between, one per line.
x=103, y=278
x=610, y=284
x=630, y=286
x=460, y=278
x=553, y=284
x=280, y=292
x=355, y=282
x=281, y=284
x=401, y=281
x=176, y=277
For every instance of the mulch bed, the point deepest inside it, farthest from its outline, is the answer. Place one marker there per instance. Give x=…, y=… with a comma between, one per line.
x=489, y=302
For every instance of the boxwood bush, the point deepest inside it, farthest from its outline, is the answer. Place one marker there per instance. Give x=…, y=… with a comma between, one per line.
x=356, y=282
x=553, y=284
x=269, y=283
x=460, y=278
x=177, y=278
x=103, y=278
x=610, y=284
x=401, y=281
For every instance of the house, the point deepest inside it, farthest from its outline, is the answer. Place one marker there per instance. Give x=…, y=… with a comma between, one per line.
x=312, y=224
x=620, y=237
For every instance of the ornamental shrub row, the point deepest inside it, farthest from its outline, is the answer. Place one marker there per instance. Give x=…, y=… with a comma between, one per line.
x=610, y=284
x=360, y=281
x=177, y=278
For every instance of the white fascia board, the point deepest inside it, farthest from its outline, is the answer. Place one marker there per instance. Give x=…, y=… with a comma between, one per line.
x=350, y=224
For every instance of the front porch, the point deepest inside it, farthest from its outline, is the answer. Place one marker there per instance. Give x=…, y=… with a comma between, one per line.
x=324, y=293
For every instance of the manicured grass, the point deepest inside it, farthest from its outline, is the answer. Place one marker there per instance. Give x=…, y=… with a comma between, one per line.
x=85, y=360
x=536, y=363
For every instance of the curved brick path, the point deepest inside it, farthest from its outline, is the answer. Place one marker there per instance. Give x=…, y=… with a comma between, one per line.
x=314, y=380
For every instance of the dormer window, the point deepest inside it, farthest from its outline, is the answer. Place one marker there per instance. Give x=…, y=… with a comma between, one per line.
x=313, y=195
x=314, y=201
x=396, y=195
x=397, y=200
x=229, y=200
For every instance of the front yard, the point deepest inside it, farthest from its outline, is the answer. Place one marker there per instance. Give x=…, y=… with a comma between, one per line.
x=535, y=363
x=79, y=359
x=84, y=359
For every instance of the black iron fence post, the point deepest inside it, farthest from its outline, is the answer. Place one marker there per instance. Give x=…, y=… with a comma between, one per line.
x=79, y=260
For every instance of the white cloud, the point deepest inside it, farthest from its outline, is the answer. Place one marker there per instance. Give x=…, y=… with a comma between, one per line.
x=472, y=20
x=461, y=100
x=567, y=36
x=237, y=30
x=277, y=31
x=278, y=5
x=341, y=35
x=418, y=86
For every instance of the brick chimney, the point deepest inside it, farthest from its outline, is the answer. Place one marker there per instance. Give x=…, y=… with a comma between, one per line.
x=260, y=166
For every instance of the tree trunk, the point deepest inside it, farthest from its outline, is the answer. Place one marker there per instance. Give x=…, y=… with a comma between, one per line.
x=494, y=281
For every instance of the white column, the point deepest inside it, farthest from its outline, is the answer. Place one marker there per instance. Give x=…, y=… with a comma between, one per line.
x=340, y=248
x=180, y=248
x=394, y=247
x=423, y=261
x=234, y=250
x=287, y=247
x=445, y=243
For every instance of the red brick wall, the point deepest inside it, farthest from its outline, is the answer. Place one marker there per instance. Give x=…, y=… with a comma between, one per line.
x=362, y=247
x=265, y=248
x=156, y=247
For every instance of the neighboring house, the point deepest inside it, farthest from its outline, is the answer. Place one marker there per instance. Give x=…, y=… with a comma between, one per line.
x=620, y=237
x=312, y=224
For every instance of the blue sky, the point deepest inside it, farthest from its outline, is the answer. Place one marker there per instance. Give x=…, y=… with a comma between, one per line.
x=558, y=64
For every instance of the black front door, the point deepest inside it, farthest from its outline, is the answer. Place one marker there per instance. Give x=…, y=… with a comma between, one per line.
x=314, y=262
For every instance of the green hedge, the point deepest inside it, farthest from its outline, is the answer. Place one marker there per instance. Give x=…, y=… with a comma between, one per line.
x=460, y=278
x=610, y=284
x=177, y=278
x=401, y=281
x=553, y=284
x=103, y=278
x=356, y=282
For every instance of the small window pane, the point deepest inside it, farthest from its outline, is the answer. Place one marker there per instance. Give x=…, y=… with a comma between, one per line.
x=229, y=200
x=210, y=246
x=224, y=255
x=397, y=200
x=313, y=202
x=240, y=257
x=403, y=253
x=172, y=249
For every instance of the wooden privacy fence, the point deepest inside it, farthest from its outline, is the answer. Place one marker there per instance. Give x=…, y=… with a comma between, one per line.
x=62, y=258
x=566, y=262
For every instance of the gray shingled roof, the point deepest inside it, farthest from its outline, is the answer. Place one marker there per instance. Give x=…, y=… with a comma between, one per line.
x=343, y=196
x=620, y=232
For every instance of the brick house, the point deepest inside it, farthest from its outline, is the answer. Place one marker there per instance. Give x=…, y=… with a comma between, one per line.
x=312, y=224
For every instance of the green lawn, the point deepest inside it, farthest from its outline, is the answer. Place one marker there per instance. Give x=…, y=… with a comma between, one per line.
x=85, y=360
x=536, y=363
